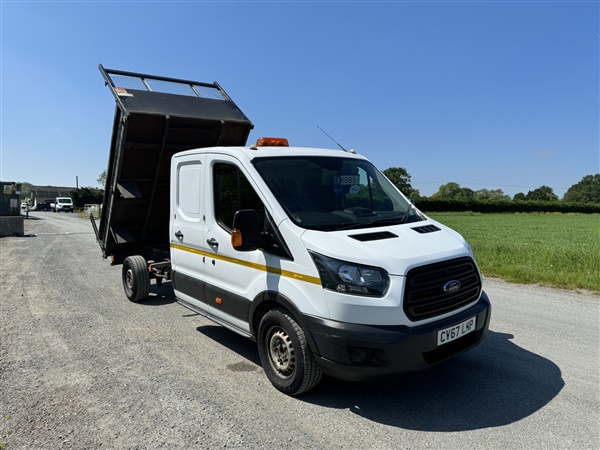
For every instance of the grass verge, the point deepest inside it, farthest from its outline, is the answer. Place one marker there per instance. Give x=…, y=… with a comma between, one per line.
x=560, y=250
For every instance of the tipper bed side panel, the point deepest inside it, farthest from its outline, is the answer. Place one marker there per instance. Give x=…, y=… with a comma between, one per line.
x=149, y=128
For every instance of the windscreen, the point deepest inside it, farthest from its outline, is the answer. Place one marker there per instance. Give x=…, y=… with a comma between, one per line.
x=332, y=193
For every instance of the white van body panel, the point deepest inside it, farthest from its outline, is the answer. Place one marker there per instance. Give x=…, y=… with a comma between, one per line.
x=302, y=282
x=386, y=310
x=396, y=255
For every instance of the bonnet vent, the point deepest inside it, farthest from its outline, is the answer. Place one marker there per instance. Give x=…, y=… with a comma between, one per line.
x=426, y=229
x=373, y=236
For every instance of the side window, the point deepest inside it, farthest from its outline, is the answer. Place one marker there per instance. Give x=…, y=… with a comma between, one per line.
x=188, y=190
x=233, y=192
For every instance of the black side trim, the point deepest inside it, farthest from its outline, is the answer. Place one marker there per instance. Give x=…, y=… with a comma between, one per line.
x=217, y=320
x=228, y=302
x=189, y=286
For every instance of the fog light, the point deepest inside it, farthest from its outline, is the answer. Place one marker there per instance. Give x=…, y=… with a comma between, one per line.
x=359, y=355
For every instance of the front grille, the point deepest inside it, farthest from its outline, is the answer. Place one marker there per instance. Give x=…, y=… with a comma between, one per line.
x=424, y=295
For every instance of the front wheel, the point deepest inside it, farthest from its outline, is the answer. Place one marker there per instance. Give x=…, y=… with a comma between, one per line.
x=285, y=354
x=136, y=278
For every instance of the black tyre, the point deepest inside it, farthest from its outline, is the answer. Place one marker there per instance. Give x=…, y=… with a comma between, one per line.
x=285, y=354
x=136, y=278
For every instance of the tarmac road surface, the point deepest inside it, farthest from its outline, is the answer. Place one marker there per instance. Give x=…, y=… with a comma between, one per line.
x=82, y=367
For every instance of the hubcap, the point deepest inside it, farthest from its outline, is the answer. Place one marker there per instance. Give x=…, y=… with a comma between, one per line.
x=281, y=352
x=129, y=278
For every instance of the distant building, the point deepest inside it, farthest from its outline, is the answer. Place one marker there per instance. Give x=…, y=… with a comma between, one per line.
x=43, y=193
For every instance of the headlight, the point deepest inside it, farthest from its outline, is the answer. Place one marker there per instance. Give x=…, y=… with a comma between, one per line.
x=343, y=276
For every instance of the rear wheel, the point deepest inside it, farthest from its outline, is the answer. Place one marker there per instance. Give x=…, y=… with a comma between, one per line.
x=285, y=354
x=136, y=278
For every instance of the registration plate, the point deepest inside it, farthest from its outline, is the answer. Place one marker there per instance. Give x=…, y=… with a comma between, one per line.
x=455, y=331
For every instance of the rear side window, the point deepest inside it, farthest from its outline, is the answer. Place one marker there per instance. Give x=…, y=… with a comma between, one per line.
x=189, y=190
x=233, y=192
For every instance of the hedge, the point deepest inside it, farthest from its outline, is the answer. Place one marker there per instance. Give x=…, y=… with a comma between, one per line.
x=494, y=206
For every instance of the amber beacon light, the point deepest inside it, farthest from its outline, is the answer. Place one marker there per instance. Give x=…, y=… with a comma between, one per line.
x=272, y=142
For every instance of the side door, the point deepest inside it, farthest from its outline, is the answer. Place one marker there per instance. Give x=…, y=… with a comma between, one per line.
x=187, y=227
x=233, y=278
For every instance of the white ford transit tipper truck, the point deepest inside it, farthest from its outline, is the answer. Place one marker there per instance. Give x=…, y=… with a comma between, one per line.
x=312, y=253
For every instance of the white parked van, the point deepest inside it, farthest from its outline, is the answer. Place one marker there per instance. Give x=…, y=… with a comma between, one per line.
x=312, y=253
x=319, y=258
x=63, y=204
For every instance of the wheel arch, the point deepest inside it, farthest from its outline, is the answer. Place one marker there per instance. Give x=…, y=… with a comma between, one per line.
x=268, y=300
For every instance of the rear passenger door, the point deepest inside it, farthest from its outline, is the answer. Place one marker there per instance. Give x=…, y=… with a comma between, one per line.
x=187, y=227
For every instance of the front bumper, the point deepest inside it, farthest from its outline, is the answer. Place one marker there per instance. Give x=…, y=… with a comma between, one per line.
x=356, y=352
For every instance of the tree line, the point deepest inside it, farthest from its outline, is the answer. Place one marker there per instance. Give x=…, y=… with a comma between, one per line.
x=582, y=197
x=586, y=191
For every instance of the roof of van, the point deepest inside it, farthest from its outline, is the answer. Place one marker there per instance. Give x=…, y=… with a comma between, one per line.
x=273, y=152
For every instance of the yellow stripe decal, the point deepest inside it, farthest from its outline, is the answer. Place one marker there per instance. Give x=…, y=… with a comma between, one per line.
x=241, y=262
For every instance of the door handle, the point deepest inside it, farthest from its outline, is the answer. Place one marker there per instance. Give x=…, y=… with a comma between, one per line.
x=212, y=242
x=179, y=235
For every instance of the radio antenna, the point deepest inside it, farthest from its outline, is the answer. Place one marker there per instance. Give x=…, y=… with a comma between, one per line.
x=338, y=144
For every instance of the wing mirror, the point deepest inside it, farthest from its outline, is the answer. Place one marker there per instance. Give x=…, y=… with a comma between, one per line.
x=245, y=235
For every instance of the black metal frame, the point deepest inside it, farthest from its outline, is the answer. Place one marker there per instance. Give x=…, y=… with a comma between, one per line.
x=148, y=129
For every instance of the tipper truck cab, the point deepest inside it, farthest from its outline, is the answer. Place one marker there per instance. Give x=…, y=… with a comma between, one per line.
x=312, y=253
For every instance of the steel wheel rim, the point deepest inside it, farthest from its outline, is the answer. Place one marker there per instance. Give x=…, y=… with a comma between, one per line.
x=282, y=356
x=129, y=278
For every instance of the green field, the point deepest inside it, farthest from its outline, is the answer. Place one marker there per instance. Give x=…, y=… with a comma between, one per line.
x=561, y=250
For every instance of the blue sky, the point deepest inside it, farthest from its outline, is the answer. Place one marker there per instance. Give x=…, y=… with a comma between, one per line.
x=489, y=94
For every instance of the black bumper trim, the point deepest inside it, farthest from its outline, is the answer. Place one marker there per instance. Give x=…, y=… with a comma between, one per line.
x=394, y=350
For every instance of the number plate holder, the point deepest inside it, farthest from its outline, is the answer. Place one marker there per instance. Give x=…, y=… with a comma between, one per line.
x=454, y=332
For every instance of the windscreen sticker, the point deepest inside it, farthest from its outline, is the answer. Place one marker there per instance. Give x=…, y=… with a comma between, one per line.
x=344, y=184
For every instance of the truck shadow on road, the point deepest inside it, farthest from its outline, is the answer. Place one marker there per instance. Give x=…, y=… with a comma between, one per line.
x=242, y=346
x=494, y=384
x=159, y=296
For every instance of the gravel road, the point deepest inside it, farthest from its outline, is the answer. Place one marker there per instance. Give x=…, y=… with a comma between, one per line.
x=81, y=367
